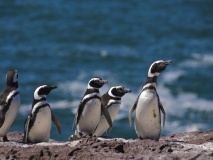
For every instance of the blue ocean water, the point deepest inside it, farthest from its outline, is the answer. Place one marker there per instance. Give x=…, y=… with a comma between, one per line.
x=65, y=43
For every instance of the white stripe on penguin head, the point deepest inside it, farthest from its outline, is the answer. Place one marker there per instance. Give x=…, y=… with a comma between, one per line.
x=36, y=96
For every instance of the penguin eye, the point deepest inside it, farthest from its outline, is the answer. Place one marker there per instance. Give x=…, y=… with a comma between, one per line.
x=119, y=89
x=96, y=81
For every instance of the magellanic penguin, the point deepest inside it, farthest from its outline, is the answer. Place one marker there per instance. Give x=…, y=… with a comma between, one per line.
x=112, y=101
x=9, y=103
x=39, y=121
x=90, y=109
x=148, y=106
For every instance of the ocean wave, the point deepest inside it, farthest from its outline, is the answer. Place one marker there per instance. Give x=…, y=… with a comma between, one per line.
x=174, y=105
x=204, y=58
x=73, y=87
x=170, y=77
x=197, y=60
x=178, y=127
x=105, y=50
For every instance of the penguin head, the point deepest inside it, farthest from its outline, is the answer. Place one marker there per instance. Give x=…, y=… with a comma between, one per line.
x=42, y=91
x=157, y=67
x=12, y=78
x=96, y=83
x=118, y=91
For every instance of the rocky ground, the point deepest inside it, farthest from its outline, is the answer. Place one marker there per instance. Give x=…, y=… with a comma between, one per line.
x=191, y=145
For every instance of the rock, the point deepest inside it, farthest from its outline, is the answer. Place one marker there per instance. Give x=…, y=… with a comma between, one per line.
x=190, y=145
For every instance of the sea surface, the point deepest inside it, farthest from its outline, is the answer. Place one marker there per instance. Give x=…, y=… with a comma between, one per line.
x=66, y=43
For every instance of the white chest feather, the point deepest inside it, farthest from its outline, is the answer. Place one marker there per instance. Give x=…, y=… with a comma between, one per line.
x=147, y=120
x=10, y=115
x=103, y=124
x=90, y=116
x=40, y=131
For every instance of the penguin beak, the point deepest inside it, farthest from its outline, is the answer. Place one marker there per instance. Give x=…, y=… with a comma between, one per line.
x=50, y=88
x=167, y=62
x=126, y=90
x=102, y=82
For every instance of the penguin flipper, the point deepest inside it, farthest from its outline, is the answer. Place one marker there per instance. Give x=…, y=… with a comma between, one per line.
x=26, y=129
x=164, y=113
x=132, y=110
x=79, y=112
x=74, y=123
x=77, y=115
x=2, y=112
x=106, y=115
x=161, y=109
x=109, y=129
x=75, y=119
x=2, y=116
x=56, y=122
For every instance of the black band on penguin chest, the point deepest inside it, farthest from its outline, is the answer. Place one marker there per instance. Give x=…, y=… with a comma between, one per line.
x=90, y=98
x=149, y=87
x=37, y=101
x=34, y=115
x=152, y=87
x=108, y=106
x=9, y=102
x=116, y=101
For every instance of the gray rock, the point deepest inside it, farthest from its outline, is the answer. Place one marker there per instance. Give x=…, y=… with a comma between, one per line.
x=190, y=145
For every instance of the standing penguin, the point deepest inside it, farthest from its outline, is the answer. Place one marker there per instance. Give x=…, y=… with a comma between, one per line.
x=90, y=108
x=112, y=101
x=9, y=103
x=148, y=105
x=39, y=121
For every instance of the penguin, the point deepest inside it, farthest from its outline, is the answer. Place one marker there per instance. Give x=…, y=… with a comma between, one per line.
x=9, y=103
x=148, y=106
x=90, y=109
x=39, y=121
x=112, y=101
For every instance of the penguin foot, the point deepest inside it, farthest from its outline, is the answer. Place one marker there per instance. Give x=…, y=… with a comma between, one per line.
x=5, y=139
x=74, y=137
x=89, y=136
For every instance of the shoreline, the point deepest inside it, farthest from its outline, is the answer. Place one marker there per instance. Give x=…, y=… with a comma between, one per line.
x=188, y=145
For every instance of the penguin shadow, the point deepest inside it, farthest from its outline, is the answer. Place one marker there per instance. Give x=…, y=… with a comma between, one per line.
x=73, y=138
x=175, y=141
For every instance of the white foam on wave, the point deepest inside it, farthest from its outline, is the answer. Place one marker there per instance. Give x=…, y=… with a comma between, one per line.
x=25, y=109
x=73, y=87
x=105, y=50
x=177, y=127
x=176, y=106
x=171, y=76
x=197, y=60
x=204, y=58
